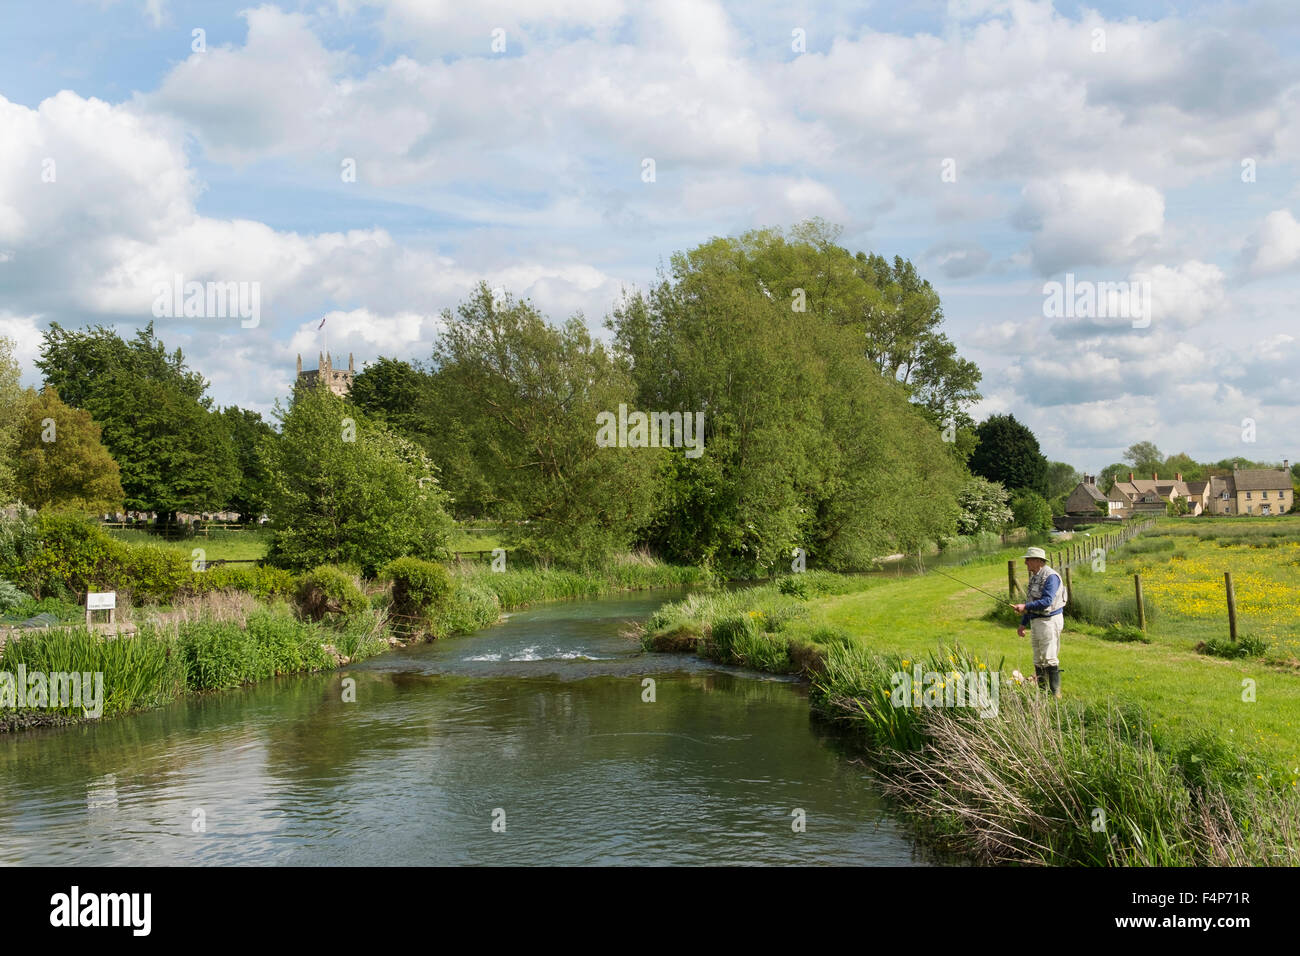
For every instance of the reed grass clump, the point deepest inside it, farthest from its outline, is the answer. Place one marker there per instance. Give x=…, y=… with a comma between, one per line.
x=1052, y=783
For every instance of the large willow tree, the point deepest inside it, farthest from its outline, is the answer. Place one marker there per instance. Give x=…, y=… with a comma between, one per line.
x=518, y=401
x=819, y=435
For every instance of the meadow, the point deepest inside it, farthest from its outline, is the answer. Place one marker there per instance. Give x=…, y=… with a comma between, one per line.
x=217, y=545
x=1170, y=708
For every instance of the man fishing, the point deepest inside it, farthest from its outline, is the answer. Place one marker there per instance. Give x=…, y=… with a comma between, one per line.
x=1043, y=612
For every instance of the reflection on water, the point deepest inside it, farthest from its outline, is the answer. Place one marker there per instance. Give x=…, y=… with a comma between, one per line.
x=539, y=724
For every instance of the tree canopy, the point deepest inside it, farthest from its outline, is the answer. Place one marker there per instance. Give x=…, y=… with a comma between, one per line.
x=519, y=400
x=344, y=488
x=173, y=451
x=60, y=460
x=811, y=443
x=1008, y=453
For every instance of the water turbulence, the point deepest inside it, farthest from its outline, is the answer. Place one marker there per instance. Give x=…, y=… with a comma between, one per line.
x=532, y=742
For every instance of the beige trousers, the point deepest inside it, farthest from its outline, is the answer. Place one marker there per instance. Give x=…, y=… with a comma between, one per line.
x=1045, y=634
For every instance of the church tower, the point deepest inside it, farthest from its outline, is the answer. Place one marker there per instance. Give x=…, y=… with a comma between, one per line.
x=337, y=381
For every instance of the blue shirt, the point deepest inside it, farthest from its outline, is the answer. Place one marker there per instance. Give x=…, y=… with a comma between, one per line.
x=1050, y=587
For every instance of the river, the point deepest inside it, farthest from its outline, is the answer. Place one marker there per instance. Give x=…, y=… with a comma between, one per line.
x=527, y=743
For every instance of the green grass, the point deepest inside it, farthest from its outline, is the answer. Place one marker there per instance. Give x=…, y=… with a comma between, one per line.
x=158, y=663
x=1183, y=691
x=1192, y=758
x=220, y=545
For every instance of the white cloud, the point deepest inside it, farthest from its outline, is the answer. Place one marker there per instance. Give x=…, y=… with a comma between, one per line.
x=1274, y=247
x=1088, y=217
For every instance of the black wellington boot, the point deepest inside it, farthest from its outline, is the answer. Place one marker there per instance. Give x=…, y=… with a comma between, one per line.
x=1054, y=677
x=1040, y=676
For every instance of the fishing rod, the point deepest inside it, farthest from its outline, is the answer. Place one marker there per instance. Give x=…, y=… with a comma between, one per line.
x=981, y=590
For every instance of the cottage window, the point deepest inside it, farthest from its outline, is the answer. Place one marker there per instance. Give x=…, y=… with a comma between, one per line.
x=1248, y=496
x=1264, y=495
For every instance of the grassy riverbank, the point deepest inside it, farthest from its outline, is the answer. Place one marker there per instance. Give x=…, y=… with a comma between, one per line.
x=215, y=642
x=224, y=638
x=1207, y=775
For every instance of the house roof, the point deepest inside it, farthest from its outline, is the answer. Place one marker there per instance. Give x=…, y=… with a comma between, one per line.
x=1139, y=487
x=1196, y=487
x=1132, y=491
x=1261, y=479
x=1221, y=483
x=1092, y=491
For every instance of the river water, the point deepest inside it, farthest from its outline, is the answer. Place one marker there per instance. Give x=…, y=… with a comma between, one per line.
x=527, y=743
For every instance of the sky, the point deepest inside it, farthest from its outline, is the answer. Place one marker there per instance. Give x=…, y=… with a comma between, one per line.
x=367, y=162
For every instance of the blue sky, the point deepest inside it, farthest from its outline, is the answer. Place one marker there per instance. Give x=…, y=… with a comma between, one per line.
x=1102, y=140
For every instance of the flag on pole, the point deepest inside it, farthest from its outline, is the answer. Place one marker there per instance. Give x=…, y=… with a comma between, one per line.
x=322, y=324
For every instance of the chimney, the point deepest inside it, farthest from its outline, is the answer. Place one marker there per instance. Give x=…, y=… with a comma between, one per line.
x=1130, y=477
x=1154, y=476
x=1286, y=464
x=1178, y=476
x=350, y=367
x=299, y=363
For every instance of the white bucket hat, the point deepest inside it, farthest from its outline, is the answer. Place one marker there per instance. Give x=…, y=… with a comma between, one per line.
x=1036, y=553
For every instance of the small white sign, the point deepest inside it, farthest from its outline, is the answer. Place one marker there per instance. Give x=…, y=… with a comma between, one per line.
x=103, y=601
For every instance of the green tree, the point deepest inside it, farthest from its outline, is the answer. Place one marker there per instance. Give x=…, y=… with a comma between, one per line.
x=1008, y=453
x=344, y=488
x=1183, y=464
x=1031, y=511
x=802, y=426
x=984, y=506
x=247, y=431
x=1062, y=478
x=61, y=462
x=1144, y=457
x=398, y=394
x=522, y=399
x=75, y=362
x=1110, y=474
x=12, y=398
x=173, y=451
x=175, y=455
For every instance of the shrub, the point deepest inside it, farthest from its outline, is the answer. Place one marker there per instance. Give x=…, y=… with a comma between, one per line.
x=420, y=588
x=216, y=654
x=1245, y=647
x=329, y=590
x=285, y=646
x=10, y=596
x=262, y=581
x=19, y=539
x=794, y=585
x=473, y=605
x=1125, y=633
x=150, y=572
x=74, y=553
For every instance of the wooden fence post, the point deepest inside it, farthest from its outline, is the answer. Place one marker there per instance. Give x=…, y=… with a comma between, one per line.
x=1232, y=606
x=1011, y=578
x=1069, y=588
x=1142, y=609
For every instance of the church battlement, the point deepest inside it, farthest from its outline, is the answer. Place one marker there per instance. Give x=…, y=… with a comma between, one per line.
x=336, y=380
